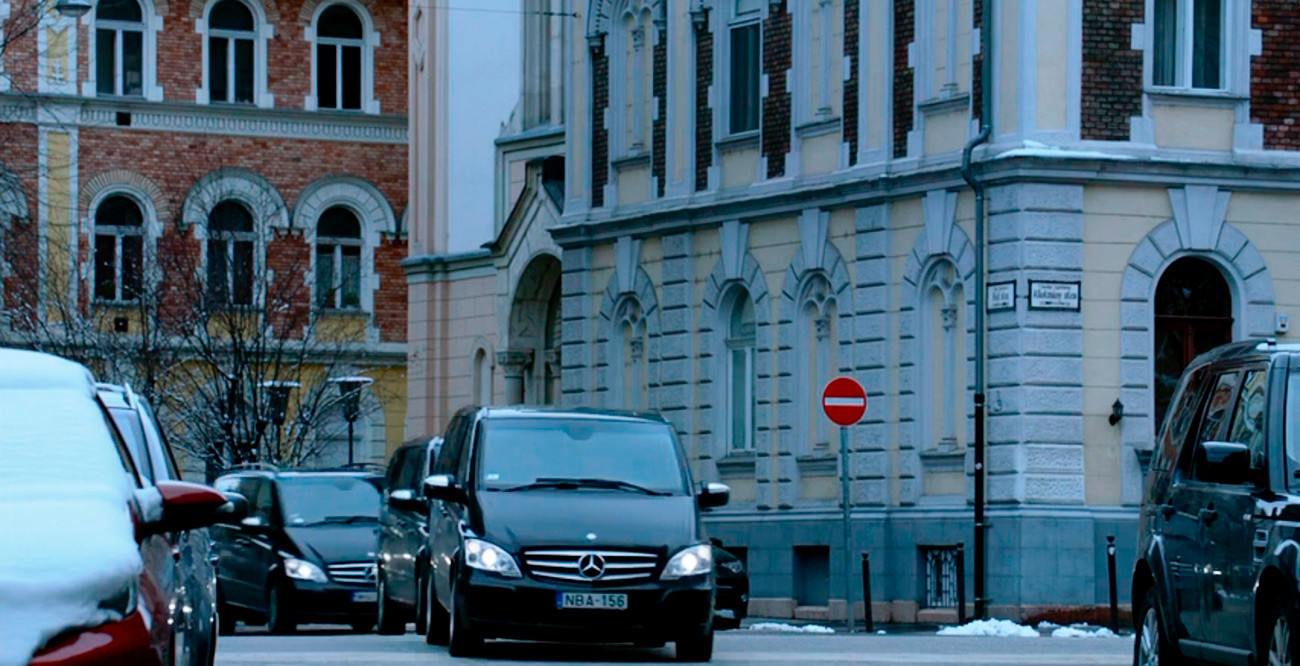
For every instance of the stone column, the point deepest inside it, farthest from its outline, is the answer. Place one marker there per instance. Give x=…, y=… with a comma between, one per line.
x=513, y=363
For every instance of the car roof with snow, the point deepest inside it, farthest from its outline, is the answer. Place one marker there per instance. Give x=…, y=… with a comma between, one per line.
x=35, y=370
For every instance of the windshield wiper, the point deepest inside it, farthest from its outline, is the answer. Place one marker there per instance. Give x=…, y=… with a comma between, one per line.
x=343, y=520
x=566, y=483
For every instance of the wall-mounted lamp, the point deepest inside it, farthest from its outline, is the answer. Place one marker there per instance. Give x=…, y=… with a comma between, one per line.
x=1116, y=412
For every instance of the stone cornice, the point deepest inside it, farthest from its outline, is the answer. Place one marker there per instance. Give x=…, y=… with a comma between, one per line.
x=435, y=267
x=210, y=119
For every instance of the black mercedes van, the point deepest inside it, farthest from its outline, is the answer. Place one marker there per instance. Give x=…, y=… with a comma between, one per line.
x=578, y=526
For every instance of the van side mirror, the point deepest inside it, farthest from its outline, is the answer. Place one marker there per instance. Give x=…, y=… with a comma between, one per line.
x=405, y=500
x=714, y=495
x=443, y=487
x=1224, y=462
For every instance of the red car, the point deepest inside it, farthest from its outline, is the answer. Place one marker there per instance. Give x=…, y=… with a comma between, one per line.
x=73, y=588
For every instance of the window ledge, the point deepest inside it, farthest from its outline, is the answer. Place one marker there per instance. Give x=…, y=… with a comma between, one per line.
x=737, y=463
x=341, y=313
x=944, y=104
x=818, y=127
x=1195, y=96
x=739, y=141
x=818, y=464
x=631, y=161
x=944, y=460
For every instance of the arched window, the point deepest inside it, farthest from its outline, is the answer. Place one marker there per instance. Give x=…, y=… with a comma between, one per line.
x=338, y=259
x=631, y=86
x=629, y=376
x=943, y=359
x=740, y=371
x=340, y=59
x=119, y=48
x=1193, y=315
x=232, y=53
x=231, y=254
x=815, y=359
x=119, y=249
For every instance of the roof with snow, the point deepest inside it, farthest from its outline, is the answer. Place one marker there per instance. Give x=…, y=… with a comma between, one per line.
x=20, y=369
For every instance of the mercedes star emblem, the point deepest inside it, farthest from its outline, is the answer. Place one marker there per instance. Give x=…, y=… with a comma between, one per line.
x=591, y=536
x=591, y=566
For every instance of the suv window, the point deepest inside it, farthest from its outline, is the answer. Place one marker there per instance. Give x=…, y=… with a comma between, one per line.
x=1219, y=408
x=1248, y=423
x=259, y=496
x=128, y=423
x=392, y=480
x=407, y=465
x=1178, y=423
x=1293, y=421
x=450, y=456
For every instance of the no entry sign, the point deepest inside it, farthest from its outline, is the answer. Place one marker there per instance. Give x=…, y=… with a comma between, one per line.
x=844, y=401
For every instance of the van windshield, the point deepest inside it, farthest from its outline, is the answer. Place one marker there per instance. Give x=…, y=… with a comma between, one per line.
x=1292, y=427
x=334, y=498
x=518, y=454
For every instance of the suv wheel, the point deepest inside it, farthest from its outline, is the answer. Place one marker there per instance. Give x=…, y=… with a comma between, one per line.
x=279, y=610
x=1152, y=647
x=1279, y=637
x=696, y=648
x=435, y=617
x=461, y=640
x=390, y=621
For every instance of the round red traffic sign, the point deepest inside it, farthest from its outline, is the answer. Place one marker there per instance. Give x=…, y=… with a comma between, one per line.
x=844, y=401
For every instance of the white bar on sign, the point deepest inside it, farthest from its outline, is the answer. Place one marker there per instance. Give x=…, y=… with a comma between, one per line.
x=843, y=402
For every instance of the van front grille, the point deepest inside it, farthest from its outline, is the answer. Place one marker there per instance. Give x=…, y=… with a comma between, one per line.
x=591, y=566
x=356, y=573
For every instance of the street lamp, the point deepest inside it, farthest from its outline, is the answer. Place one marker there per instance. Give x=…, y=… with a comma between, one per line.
x=277, y=404
x=350, y=394
x=72, y=8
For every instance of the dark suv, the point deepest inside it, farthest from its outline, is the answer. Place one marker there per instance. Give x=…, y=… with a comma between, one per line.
x=403, y=535
x=305, y=553
x=1219, y=530
x=568, y=526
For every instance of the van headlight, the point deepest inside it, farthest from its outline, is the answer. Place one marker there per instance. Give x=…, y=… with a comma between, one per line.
x=123, y=602
x=304, y=570
x=485, y=556
x=692, y=561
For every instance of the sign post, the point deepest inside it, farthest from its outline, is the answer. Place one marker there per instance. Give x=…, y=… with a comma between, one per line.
x=845, y=401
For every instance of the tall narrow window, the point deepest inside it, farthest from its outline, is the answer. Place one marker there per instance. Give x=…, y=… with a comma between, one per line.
x=943, y=359
x=1193, y=315
x=340, y=46
x=119, y=48
x=231, y=38
x=631, y=65
x=338, y=259
x=740, y=373
x=816, y=359
x=628, y=379
x=119, y=249
x=230, y=256
x=1187, y=51
x=746, y=50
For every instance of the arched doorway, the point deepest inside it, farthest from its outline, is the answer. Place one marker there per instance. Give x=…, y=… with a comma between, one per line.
x=1193, y=314
x=532, y=362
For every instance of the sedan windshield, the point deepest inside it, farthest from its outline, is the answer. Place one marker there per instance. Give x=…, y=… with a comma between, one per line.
x=319, y=500
x=566, y=454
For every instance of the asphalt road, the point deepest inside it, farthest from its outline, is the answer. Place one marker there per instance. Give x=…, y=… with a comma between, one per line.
x=732, y=647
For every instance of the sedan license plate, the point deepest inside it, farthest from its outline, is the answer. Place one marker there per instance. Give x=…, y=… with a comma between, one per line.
x=591, y=600
x=365, y=597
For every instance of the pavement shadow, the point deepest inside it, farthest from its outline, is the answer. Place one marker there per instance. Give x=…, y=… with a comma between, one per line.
x=535, y=652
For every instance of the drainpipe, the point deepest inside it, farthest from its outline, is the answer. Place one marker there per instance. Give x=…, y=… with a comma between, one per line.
x=986, y=130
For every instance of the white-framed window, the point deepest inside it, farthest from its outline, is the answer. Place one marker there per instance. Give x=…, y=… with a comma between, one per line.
x=631, y=53
x=943, y=358
x=232, y=59
x=744, y=63
x=342, y=59
x=741, y=336
x=338, y=260
x=119, y=48
x=119, y=249
x=1188, y=44
x=231, y=254
x=815, y=359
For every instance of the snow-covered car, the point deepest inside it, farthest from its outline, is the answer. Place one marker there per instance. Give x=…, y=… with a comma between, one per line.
x=192, y=578
x=84, y=558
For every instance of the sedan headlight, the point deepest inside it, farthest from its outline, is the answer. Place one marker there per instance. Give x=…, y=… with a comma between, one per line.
x=485, y=556
x=304, y=570
x=123, y=602
x=692, y=561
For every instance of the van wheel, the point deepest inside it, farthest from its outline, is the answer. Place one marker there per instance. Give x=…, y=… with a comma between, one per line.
x=279, y=610
x=389, y=622
x=462, y=641
x=1152, y=646
x=1278, y=636
x=696, y=648
x=435, y=617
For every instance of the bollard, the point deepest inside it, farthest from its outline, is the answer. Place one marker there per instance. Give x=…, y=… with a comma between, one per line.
x=1114, y=598
x=961, y=583
x=866, y=592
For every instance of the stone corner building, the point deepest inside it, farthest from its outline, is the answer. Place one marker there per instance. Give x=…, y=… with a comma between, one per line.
x=711, y=207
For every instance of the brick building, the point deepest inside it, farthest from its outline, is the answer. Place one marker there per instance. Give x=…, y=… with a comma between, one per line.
x=740, y=199
x=261, y=141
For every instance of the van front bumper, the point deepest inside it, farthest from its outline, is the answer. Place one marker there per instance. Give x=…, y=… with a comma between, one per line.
x=525, y=609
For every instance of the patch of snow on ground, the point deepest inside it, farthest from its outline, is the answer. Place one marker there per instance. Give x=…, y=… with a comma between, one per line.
x=1082, y=631
x=1005, y=628
x=1047, y=626
x=791, y=628
x=68, y=536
